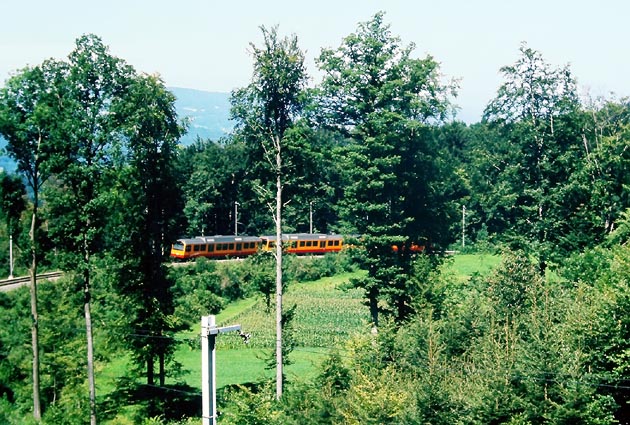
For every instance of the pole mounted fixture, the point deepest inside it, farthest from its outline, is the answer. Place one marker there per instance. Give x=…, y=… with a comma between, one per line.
x=209, y=332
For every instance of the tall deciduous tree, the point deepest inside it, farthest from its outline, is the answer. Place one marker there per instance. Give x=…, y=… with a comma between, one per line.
x=602, y=180
x=534, y=113
x=29, y=105
x=383, y=100
x=96, y=85
x=265, y=111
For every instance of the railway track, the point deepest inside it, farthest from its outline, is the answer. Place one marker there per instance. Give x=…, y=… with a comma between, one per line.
x=12, y=283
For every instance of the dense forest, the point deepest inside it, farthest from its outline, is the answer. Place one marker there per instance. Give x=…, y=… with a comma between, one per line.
x=373, y=150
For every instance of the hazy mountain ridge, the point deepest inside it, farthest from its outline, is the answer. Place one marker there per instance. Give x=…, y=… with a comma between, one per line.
x=208, y=115
x=6, y=163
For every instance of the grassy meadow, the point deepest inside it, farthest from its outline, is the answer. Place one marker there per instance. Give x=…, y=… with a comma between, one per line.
x=326, y=315
x=465, y=265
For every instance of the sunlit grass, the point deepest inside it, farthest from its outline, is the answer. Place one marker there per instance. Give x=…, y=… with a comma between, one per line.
x=325, y=317
x=242, y=365
x=465, y=265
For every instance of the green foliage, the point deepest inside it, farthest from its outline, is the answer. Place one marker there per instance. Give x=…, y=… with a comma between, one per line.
x=197, y=295
x=304, y=269
x=335, y=376
x=215, y=175
x=15, y=366
x=13, y=202
x=251, y=407
x=546, y=174
x=509, y=347
x=375, y=399
x=289, y=340
x=14, y=216
x=262, y=276
x=266, y=112
x=62, y=342
x=382, y=100
x=368, y=153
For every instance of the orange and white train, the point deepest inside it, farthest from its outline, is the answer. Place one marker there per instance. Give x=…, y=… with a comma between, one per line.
x=242, y=246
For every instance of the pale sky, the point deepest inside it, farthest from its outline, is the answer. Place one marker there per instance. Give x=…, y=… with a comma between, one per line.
x=203, y=44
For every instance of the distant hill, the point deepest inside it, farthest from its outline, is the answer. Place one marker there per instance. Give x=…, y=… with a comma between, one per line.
x=6, y=163
x=208, y=113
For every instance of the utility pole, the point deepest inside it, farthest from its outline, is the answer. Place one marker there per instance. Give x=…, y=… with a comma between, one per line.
x=236, y=204
x=463, y=225
x=310, y=215
x=209, y=332
x=11, y=257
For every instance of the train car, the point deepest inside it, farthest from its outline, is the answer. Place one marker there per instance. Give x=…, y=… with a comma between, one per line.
x=414, y=248
x=215, y=247
x=305, y=243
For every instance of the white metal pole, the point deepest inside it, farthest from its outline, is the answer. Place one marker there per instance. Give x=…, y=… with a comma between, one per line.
x=208, y=374
x=310, y=215
x=463, y=225
x=10, y=257
x=209, y=331
x=235, y=218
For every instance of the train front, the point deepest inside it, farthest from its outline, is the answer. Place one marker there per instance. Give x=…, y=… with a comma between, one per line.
x=180, y=249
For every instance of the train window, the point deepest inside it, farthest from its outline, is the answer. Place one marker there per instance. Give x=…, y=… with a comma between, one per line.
x=239, y=247
x=224, y=247
x=196, y=248
x=231, y=247
x=301, y=244
x=336, y=243
x=309, y=243
x=204, y=247
x=187, y=248
x=322, y=244
x=178, y=246
x=210, y=247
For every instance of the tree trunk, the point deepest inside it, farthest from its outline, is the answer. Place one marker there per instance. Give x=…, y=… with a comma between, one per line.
x=373, y=300
x=88, y=334
x=150, y=372
x=37, y=413
x=162, y=371
x=90, y=356
x=278, y=220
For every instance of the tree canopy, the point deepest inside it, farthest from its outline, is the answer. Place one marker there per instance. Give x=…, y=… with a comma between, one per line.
x=383, y=101
x=372, y=151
